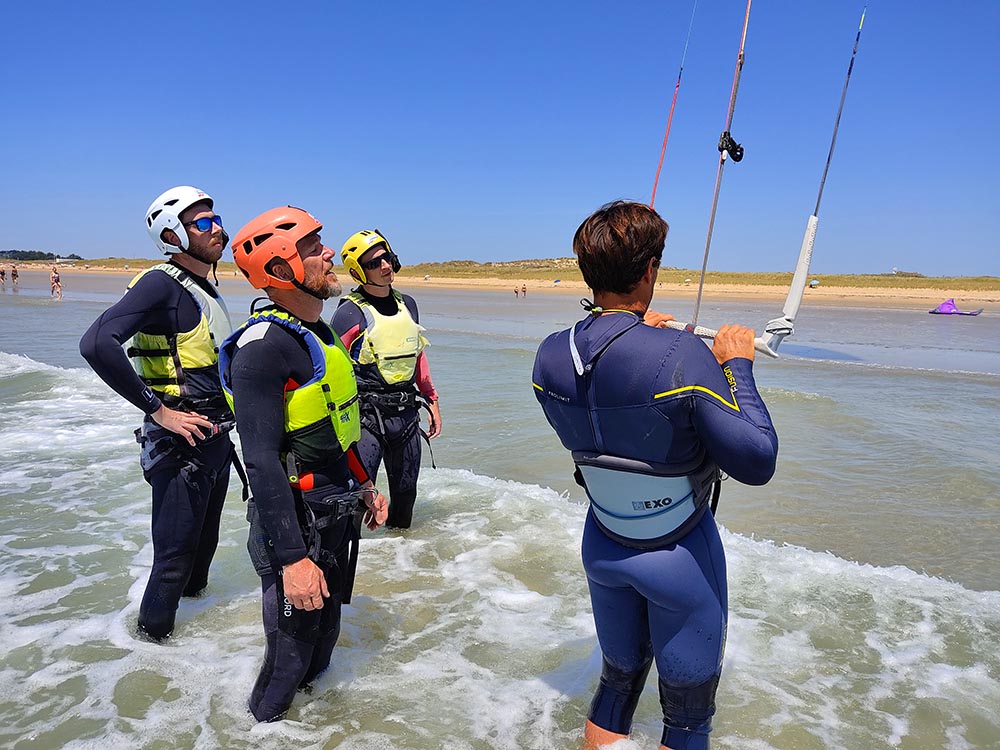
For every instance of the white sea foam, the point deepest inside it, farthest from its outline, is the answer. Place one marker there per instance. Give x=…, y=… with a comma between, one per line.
x=474, y=628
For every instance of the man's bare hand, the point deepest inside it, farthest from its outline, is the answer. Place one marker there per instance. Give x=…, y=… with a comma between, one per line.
x=733, y=341
x=305, y=585
x=434, y=428
x=184, y=423
x=656, y=319
x=378, y=509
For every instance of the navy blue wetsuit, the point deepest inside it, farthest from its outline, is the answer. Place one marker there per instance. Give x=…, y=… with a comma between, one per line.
x=656, y=396
x=390, y=433
x=189, y=485
x=299, y=643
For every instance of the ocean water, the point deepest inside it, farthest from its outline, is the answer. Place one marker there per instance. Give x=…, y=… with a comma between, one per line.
x=864, y=579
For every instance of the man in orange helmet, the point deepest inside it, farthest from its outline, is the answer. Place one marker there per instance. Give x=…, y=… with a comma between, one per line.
x=291, y=384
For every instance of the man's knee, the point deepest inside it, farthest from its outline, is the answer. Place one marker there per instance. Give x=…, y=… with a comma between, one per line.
x=687, y=714
x=617, y=696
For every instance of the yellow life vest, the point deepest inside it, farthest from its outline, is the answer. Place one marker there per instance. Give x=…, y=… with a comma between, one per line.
x=183, y=365
x=390, y=342
x=323, y=409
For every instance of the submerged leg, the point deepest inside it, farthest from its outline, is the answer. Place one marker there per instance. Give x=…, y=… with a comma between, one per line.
x=219, y=459
x=290, y=636
x=180, y=501
x=402, y=467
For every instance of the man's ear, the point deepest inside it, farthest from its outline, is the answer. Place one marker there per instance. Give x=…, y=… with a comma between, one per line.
x=354, y=275
x=280, y=269
x=650, y=270
x=170, y=237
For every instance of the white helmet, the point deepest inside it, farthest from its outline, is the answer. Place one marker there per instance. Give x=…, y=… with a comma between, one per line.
x=164, y=213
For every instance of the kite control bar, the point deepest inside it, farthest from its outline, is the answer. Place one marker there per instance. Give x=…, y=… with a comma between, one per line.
x=708, y=333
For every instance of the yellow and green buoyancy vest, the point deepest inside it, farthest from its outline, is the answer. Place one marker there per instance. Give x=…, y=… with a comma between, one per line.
x=320, y=411
x=183, y=365
x=390, y=342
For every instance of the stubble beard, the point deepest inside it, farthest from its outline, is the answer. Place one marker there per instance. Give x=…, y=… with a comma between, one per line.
x=206, y=254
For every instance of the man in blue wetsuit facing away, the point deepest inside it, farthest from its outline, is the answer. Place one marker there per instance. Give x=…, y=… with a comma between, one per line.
x=651, y=416
x=172, y=322
x=292, y=386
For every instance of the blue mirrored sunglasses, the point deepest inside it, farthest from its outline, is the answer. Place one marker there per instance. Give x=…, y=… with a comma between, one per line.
x=204, y=223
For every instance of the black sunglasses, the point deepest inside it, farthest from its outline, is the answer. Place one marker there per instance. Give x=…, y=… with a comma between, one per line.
x=371, y=265
x=205, y=223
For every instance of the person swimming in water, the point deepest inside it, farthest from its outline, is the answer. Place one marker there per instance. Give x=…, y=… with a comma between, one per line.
x=651, y=416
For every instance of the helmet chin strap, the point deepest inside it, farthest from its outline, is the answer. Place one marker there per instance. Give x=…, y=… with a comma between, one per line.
x=302, y=287
x=367, y=282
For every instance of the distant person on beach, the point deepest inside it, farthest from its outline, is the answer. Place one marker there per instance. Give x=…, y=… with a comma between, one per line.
x=515, y=292
x=651, y=416
x=13, y=275
x=292, y=386
x=381, y=329
x=3, y=277
x=524, y=290
x=172, y=321
x=55, y=283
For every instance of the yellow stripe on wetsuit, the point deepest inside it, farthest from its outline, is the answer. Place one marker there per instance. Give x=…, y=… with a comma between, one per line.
x=734, y=406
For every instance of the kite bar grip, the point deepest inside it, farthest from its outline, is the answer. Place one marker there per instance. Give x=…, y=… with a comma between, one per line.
x=709, y=333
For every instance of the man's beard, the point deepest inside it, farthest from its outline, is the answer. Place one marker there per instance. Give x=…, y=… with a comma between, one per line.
x=323, y=288
x=207, y=255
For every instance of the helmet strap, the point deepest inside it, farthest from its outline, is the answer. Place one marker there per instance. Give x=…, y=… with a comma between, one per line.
x=301, y=287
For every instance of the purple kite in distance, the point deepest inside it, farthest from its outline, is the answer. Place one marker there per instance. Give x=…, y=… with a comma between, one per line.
x=948, y=308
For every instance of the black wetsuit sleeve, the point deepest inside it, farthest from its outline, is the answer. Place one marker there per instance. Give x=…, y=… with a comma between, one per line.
x=411, y=306
x=258, y=374
x=156, y=304
x=347, y=316
x=732, y=421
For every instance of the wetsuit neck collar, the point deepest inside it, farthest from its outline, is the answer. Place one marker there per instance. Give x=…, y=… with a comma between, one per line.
x=593, y=309
x=597, y=337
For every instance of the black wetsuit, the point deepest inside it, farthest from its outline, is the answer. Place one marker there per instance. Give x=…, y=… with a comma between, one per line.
x=270, y=359
x=390, y=433
x=189, y=485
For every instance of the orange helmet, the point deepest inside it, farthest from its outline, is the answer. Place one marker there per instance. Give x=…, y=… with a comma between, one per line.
x=271, y=235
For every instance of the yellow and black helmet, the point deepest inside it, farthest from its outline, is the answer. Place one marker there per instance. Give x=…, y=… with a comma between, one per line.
x=360, y=243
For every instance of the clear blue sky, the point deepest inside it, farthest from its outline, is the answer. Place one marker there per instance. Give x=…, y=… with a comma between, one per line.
x=488, y=131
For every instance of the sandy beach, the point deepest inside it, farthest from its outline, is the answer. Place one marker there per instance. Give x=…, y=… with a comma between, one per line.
x=861, y=296
x=827, y=295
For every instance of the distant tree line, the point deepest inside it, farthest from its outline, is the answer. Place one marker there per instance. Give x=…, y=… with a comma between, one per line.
x=35, y=255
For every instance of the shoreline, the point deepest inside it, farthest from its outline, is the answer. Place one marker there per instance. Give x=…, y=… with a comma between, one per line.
x=867, y=296
x=826, y=295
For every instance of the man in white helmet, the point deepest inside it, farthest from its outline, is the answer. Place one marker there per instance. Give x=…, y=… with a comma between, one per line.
x=172, y=321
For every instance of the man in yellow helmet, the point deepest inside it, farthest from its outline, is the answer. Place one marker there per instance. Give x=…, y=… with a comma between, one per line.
x=291, y=383
x=381, y=328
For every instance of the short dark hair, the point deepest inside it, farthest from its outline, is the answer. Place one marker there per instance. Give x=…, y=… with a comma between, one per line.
x=615, y=243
